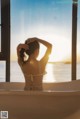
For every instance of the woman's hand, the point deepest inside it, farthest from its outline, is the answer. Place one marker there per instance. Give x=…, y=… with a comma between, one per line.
x=24, y=46
x=31, y=40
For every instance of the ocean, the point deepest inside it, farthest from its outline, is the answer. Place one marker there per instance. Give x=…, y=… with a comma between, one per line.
x=56, y=72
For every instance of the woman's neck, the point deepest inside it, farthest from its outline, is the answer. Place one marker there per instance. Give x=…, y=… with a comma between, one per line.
x=32, y=58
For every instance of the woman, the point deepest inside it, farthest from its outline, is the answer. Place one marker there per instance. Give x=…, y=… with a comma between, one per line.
x=33, y=69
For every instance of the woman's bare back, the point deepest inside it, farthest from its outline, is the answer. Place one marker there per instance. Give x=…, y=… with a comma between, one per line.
x=33, y=73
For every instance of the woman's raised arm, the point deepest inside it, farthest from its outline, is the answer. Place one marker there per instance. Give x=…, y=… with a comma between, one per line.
x=19, y=47
x=48, y=45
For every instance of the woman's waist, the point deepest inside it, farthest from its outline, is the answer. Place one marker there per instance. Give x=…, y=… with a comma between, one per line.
x=33, y=87
x=33, y=79
x=29, y=82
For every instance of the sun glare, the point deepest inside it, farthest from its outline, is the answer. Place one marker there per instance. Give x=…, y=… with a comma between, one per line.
x=59, y=52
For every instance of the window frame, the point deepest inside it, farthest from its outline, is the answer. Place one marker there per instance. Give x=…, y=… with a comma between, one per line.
x=5, y=36
x=74, y=38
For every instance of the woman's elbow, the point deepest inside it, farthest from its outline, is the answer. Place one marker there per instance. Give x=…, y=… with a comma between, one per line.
x=50, y=49
x=51, y=46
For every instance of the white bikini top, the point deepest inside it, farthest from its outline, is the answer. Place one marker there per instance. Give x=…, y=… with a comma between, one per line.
x=32, y=75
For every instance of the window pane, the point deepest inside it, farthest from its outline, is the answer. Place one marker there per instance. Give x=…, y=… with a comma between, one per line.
x=78, y=43
x=0, y=25
x=2, y=71
x=0, y=39
x=50, y=20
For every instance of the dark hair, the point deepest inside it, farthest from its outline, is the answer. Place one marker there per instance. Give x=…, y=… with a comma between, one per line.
x=33, y=45
x=22, y=54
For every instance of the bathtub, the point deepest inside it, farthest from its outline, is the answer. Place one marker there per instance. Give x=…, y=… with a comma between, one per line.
x=56, y=101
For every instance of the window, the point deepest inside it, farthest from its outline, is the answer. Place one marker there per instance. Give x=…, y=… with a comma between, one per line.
x=47, y=19
x=0, y=25
x=2, y=71
x=4, y=40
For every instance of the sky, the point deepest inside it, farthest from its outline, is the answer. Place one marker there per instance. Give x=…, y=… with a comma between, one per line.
x=50, y=20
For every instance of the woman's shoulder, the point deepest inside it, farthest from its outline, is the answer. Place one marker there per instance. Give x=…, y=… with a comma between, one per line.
x=23, y=64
